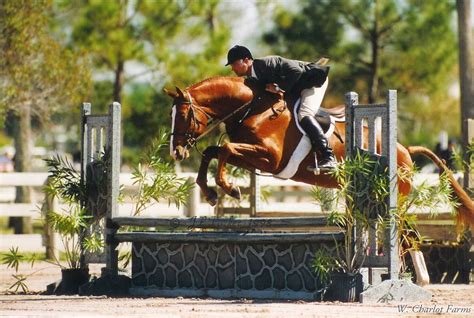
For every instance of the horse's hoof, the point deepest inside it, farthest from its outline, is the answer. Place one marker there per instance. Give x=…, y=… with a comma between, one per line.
x=211, y=197
x=235, y=193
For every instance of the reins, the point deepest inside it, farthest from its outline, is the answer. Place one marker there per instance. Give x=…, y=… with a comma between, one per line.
x=191, y=141
x=214, y=125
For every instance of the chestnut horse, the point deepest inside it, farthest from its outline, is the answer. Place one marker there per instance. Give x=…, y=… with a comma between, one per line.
x=262, y=131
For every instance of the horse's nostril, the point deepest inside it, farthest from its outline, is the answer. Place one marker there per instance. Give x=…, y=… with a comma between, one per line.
x=178, y=155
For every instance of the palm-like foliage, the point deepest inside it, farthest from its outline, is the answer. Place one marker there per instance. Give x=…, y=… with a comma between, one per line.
x=12, y=260
x=157, y=180
x=351, y=206
x=64, y=181
x=362, y=208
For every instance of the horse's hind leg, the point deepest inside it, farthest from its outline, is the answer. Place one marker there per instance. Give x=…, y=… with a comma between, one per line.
x=209, y=194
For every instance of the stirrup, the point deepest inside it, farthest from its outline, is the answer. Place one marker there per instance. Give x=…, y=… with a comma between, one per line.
x=314, y=169
x=317, y=169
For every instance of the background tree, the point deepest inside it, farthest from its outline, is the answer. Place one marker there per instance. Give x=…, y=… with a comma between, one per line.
x=38, y=76
x=169, y=41
x=466, y=69
x=314, y=31
x=375, y=45
x=421, y=64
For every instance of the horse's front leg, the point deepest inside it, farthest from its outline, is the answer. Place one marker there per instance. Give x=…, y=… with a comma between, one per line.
x=246, y=156
x=209, y=194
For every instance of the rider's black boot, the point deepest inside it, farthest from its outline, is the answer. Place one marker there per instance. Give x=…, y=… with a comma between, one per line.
x=325, y=159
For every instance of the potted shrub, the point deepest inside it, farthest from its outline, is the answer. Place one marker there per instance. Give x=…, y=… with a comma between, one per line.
x=64, y=183
x=339, y=284
x=340, y=272
x=365, y=209
x=155, y=178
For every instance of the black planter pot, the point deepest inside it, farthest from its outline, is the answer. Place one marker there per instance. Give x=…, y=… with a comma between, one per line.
x=344, y=287
x=72, y=279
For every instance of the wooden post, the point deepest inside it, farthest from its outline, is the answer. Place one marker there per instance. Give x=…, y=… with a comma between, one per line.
x=49, y=242
x=193, y=200
x=468, y=172
x=255, y=193
x=466, y=77
x=113, y=187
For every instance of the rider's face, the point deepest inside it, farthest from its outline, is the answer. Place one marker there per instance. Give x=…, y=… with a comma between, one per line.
x=240, y=67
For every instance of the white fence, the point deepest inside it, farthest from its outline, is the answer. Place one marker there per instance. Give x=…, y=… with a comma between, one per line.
x=286, y=198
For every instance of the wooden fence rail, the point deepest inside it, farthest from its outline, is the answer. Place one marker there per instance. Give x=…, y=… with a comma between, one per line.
x=287, y=198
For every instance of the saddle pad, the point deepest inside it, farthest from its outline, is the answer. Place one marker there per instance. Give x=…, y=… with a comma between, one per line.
x=303, y=148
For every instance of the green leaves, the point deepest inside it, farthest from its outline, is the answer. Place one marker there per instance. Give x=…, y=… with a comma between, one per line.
x=309, y=33
x=19, y=283
x=64, y=180
x=93, y=243
x=69, y=223
x=64, y=183
x=426, y=197
x=379, y=45
x=324, y=264
x=359, y=200
x=12, y=259
x=36, y=71
x=157, y=179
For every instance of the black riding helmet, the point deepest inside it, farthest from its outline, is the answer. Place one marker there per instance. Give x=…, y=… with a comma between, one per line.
x=238, y=52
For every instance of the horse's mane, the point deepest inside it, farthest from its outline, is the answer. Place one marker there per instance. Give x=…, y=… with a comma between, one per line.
x=223, y=87
x=213, y=79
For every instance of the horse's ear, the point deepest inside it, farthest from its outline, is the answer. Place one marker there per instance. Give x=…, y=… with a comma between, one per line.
x=179, y=91
x=170, y=93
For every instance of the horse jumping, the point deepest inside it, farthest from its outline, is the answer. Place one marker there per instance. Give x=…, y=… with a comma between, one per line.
x=263, y=135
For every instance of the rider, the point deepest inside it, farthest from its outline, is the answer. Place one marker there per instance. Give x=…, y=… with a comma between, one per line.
x=284, y=75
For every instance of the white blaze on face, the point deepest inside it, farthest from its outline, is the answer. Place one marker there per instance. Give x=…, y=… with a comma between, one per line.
x=173, y=118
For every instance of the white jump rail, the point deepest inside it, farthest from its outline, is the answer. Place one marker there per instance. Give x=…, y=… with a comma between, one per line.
x=37, y=179
x=36, y=242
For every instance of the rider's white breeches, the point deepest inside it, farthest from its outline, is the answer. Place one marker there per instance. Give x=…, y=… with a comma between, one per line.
x=311, y=99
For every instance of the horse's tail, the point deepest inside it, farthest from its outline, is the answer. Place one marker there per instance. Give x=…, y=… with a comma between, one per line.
x=465, y=209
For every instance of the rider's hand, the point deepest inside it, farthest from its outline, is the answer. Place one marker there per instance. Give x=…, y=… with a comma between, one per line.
x=273, y=88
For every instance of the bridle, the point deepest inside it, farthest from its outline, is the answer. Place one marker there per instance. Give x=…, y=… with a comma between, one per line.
x=190, y=133
x=191, y=138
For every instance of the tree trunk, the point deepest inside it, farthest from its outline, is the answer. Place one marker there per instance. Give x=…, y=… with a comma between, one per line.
x=118, y=84
x=374, y=41
x=22, y=138
x=374, y=74
x=465, y=73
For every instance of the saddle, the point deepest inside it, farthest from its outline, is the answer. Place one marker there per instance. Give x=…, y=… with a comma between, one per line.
x=326, y=118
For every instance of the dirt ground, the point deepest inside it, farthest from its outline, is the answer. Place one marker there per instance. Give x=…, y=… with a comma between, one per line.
x=446, y=300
